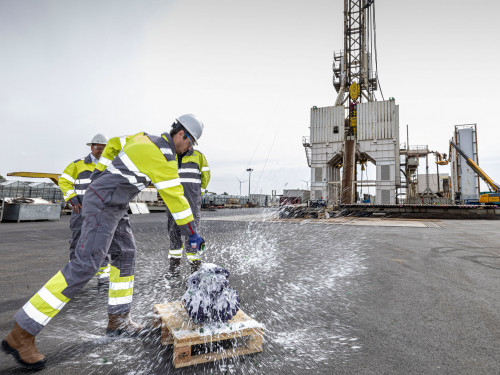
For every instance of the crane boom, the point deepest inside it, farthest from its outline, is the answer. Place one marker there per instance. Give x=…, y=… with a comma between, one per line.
x=494, y=186
x=54, y=177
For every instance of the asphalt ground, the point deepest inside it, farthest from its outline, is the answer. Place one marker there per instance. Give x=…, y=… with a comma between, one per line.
x=356, y=296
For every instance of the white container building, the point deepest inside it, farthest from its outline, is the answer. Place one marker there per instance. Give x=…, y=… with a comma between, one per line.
x=465, y=181
x=377, y=141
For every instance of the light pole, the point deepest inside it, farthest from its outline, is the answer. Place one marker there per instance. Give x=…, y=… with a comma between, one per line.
x=240, y=184
x=249, y=170
x=307, y=183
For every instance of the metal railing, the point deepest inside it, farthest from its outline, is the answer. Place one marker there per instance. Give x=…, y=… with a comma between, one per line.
x=22, y=189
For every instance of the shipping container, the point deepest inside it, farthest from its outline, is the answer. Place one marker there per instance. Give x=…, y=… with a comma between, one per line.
x=377, y=120
x=327, y=124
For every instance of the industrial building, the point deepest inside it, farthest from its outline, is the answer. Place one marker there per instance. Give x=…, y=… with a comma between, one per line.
x=465, y=182
x=359, y=130
x=376, y=141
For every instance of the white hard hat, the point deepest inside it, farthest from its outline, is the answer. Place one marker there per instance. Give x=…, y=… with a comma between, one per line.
x=100, y=139
x=192, y=124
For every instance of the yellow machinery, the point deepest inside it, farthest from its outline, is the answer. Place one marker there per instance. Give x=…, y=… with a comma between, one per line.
x=491, y=197
x=54, y=177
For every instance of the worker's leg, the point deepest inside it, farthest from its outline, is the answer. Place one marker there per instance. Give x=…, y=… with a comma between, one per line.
x=194, y=258
x=122, y=251
x=121, y=281
x=75, y=224
x=104, y=271
x=97, y=232
x=176, y=246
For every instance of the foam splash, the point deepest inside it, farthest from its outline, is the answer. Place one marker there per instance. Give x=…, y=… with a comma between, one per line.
x=209, y=297
x=279, y=269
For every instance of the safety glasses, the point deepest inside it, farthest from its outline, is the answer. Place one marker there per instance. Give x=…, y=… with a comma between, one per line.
x=190, y=139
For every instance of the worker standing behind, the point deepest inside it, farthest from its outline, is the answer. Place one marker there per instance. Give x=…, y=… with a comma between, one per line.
x=194, y=174
x=143, y=159
x=73, y=183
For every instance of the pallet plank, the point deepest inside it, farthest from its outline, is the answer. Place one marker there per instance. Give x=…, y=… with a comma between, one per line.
x=209, y=357
x=178, y=329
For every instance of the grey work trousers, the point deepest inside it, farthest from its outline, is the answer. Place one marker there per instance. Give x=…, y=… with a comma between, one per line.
x=176, y=240
x=106, y=228
x=75, y=224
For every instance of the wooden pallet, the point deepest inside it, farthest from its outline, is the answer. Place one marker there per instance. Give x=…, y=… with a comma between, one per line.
x=243, y=333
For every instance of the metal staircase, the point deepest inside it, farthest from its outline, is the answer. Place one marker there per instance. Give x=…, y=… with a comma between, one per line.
x=307, y=147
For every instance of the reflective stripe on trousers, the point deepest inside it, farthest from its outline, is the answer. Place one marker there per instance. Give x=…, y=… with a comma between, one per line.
x=175, y=253
x=176, y=244
x=193, y=256
x=105, y=268
x=121, y=289
x=105, y=229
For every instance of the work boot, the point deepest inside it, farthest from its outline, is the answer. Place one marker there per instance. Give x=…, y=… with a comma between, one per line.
x=195, y=265
x=21, y=345
x=122, y=325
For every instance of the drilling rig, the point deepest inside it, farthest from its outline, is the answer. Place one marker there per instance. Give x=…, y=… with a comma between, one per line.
x=358, y=128
x=353, y=80
x=352, y=67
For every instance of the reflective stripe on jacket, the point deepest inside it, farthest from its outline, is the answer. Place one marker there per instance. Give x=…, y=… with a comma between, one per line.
x=194, y=174
x=76, y=178
x=145, y=159
x=112, y=149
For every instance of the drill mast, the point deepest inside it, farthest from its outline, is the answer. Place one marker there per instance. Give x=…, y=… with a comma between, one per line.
x=353, y=64
x=354, y=79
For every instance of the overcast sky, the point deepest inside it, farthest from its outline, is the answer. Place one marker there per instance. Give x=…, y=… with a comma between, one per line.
x=251, y=70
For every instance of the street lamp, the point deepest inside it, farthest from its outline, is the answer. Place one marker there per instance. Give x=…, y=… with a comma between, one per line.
x=307, y=183
x=240, y=183
x=249, y=170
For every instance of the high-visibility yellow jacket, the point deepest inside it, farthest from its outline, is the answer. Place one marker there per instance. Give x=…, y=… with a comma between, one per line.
x=141, y=159
x=75, y=179
x=194, y=173
x=112, y=149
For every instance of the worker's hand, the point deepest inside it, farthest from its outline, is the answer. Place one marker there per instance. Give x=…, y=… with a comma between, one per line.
x=197, y=243
x=75, y=202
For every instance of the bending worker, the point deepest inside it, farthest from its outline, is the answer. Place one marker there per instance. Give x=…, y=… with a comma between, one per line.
x=194, y=174
x=141, y=159
x=73, y=183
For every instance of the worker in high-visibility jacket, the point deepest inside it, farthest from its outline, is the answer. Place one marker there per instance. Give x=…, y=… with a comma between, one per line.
x=143, y=159
x=194, y=173
x=73, y=183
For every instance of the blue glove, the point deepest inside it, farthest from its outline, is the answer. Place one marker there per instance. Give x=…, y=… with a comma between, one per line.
x=197, y=243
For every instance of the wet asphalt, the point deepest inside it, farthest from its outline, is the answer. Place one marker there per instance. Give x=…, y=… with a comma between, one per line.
x=334, y=299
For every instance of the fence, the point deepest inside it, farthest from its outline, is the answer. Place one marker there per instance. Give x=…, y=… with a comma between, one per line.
x=260, y=200
x=17, y=189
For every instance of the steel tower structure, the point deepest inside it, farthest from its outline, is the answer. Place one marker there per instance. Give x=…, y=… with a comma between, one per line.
x=358, y=129
x=353, y=64
x=353, y=79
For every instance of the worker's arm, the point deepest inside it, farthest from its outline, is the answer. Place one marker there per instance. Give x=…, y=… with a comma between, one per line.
x=67, y=184
x=161, y=168
x=112, y=149
x=167, y=182
x=205, y=173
